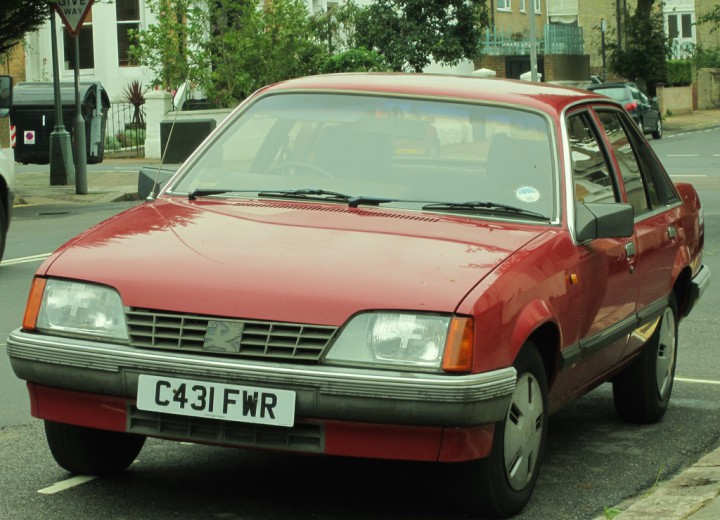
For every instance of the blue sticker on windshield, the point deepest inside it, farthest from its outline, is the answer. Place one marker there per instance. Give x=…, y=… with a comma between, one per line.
x=527, y=194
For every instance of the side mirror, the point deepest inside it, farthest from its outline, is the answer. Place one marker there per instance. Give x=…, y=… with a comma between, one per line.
x=6, y=83
x=597, y=220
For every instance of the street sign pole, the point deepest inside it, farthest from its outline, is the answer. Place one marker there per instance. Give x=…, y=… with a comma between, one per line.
x=79, y=125
x=62, y=170
x=73, y=14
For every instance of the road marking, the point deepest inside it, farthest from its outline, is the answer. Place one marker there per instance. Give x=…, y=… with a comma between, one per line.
x=683, y=155
x=26, y=259
x=66, y=484
x=698, y=381
x=698, y=175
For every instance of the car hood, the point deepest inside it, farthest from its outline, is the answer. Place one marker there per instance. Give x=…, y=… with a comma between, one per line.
x=286, y=261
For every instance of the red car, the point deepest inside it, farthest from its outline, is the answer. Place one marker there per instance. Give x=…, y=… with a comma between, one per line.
x=305, y=284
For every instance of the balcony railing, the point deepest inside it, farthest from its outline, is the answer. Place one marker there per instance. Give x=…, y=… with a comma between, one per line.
x=557, y=39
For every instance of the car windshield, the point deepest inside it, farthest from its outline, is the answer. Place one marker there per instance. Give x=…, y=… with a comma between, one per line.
x=395, y=151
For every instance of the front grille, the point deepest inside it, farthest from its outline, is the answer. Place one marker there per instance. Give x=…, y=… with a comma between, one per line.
x=305, y=437
x=247, y=339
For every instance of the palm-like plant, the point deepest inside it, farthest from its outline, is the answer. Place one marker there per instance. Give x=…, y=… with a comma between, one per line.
x=135, y=95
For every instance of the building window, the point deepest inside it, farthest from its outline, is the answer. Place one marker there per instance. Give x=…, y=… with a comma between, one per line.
x=85, y=43
x=128, y=20
x=504, y=5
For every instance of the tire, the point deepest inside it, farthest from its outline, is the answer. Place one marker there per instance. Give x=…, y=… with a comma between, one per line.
x=642, y=391
x=658, y=132
x=87, y=451
x=3, y=229
x=500, y=485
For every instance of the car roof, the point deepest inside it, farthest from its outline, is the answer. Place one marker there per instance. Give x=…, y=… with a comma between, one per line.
x=543, y=96
x=610, y=85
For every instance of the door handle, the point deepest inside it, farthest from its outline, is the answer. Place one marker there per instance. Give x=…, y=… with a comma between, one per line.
x=672, y=232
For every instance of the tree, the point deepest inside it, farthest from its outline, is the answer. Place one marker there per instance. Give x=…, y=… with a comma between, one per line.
x=410, y=34
x=711, y=17
x=228, y=48
x=19, y=17
x=644, y=54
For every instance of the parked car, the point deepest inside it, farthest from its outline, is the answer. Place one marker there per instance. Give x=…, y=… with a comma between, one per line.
x=7, y=166
x=411, y=267
x=644, y=111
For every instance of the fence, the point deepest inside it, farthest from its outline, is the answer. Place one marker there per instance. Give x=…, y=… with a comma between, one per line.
x=125, y=135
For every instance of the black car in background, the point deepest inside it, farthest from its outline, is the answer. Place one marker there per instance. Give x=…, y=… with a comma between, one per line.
x=644, y=111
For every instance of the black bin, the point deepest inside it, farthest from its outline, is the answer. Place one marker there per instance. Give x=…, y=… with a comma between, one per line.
x=33, y=115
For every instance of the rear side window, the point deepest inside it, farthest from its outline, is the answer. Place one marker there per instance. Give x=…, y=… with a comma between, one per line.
x=616, y=93
x=640, y=189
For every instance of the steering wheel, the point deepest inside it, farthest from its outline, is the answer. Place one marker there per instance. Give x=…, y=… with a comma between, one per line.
x=295, y=167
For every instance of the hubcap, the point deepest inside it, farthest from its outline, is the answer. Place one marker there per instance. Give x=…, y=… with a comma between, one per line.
x=523, y=432
x=666, y=353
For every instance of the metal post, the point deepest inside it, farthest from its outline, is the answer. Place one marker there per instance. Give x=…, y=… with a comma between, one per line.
x=533, y=42
x=79, y=129
x=603, y=26
x=62, y=170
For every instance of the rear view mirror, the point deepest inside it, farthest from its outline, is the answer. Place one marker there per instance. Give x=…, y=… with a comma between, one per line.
x=5, y=95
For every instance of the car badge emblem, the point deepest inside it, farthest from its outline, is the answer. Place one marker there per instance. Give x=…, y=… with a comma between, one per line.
x=223, y=337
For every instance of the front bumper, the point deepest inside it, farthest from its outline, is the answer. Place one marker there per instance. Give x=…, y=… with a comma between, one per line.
x=322, y=392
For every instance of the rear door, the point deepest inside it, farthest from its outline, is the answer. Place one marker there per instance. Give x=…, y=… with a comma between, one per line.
x=648, y=188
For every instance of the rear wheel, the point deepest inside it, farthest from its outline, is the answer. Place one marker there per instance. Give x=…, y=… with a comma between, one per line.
x=3, y=229
x=642, y=391
x=88, y=451
x=500, y=485
x=658, y=132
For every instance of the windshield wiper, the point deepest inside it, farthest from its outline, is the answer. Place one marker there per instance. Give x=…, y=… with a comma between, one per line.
x=484, y=206
x=206, y=192
x=353, y=201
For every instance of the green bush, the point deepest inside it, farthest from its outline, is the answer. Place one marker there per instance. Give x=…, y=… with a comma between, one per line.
x=131, y=138
x=355, y=60
x=679, y=73
x=706, y=58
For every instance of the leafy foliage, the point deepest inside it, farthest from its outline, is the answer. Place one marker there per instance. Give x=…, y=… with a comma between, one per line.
x=410, y=34
x=230, y=48
x=706, y=58
x=645, y=51
x=680, y=73
x=355, y=60
x=19, y=17
x=134, y=94
x=711, y=17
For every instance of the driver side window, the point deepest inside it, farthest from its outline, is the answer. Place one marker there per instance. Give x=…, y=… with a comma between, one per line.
x=592, y=179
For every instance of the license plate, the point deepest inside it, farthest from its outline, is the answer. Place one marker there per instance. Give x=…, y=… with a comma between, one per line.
x=216, y=400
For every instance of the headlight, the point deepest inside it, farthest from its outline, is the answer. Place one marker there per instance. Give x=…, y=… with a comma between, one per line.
x=80, y=309
x=424, y=341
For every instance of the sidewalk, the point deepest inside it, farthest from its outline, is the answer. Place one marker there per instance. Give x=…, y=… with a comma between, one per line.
x=694, y=494
x=118, y=181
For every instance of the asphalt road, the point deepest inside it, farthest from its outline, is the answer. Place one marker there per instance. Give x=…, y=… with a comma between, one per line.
x=593, y=460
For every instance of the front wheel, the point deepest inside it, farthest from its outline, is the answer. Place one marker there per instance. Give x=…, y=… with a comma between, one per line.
x=642, y=391
x=87, y=451
x=500, y=485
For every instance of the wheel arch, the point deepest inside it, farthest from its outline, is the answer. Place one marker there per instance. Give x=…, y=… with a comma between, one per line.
x=537, y=324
